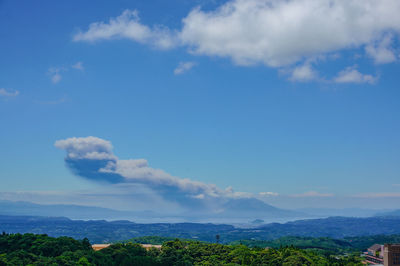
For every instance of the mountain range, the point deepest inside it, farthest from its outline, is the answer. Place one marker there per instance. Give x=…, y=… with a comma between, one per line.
x=235, y=210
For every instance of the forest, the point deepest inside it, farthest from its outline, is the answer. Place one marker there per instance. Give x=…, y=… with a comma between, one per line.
x=31, y=249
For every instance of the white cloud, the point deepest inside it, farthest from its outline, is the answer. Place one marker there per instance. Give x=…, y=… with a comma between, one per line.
x=199, y=196
x=8, y=93
x=56, y=78
x=268, y=194
x=271, y=32
x=278, y=33
x=352, y=75
x=303, y=73
x=382, y=52
x=312, y=194
x=128, y=26
x=55, y=75
x=55, y=72
x=184, y=67
x=138, y=170
x=86, y=148
x=78, y=66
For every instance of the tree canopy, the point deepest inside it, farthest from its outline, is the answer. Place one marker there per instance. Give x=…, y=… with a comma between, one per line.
x=31, y=249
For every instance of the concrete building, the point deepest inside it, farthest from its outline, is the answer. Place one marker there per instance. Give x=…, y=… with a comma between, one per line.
x=387, y=255
x=391, y=254
x=374, y=255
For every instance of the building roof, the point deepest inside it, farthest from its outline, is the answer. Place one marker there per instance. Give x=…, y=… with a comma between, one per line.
x=375, y=247
x=97, y=247
x=148, y=246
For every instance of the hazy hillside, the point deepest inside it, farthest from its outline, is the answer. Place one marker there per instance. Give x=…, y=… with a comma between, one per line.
x=103, y=231
x=70, y=211
x=233, y=211
x=254, y=208
x=391, y=213
x=346, y=212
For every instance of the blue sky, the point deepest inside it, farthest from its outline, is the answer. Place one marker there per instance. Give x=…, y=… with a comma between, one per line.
x=256, y=95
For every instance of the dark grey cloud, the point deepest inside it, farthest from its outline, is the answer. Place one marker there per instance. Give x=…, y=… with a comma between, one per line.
x=89, y=168
x=92, y=158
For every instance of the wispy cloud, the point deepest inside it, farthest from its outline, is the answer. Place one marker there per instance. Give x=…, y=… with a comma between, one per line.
x=303, y=73
x=183, y=67
x=379, y=195
x=55, y=75
x=268, y=194
x=78, y=66
x=128, y=26
x=382, y=52
x=8, y=93
x=352, y=75
x=55, y=72
x=310, y=194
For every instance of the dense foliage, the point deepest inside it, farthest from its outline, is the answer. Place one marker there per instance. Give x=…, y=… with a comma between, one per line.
x=153, y=240
x=323, y=245
x=17, y=249
x=363, y=242
x=30, y=249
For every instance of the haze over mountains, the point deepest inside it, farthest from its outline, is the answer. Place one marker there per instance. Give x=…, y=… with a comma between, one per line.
x=64, y=210
x=237, y=210
x=233, y=212
x=101, y=231
x=390, y=213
